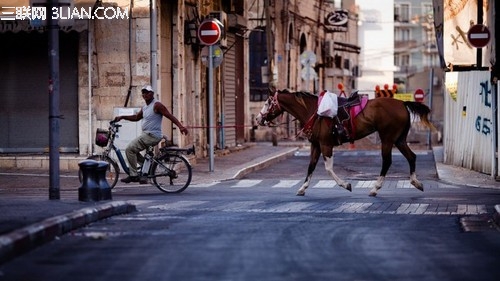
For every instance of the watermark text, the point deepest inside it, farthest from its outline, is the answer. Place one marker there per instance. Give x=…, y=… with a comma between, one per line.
x=63, y=13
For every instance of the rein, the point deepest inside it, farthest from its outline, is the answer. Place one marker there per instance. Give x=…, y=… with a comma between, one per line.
x=275, y=104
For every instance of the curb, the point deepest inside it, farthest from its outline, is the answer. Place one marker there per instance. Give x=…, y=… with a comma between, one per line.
x=25, y=239
x=496, y=216
x=268, y=161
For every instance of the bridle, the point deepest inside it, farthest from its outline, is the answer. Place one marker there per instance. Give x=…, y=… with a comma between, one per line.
x=274, y=106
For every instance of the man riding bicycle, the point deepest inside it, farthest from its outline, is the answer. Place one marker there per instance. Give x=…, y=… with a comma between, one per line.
x=151, y=115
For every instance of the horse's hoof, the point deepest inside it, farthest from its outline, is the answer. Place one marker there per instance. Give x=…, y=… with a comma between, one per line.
x=300, y=194
x=418, y=185
x=348, y=187
x=373, y=194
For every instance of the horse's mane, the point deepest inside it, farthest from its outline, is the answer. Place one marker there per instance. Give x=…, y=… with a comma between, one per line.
x=298, y=94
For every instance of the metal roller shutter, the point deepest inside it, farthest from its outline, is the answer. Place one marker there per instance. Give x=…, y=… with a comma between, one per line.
x=24, y=100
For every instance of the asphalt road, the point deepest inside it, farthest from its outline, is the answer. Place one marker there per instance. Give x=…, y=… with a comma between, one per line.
x=357, y=164
x=257, y=229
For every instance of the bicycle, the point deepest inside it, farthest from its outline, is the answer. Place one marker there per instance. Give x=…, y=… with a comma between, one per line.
x=169, y=170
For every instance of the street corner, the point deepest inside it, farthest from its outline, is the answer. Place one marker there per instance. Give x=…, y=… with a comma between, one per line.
x=25, y=239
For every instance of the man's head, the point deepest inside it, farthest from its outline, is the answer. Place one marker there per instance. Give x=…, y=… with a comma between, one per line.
x=147, y=94
x=147, y=89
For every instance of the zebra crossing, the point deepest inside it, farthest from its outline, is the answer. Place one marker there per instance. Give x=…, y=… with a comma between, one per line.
x=252, y=206
x=313, y=207
x=356, y=184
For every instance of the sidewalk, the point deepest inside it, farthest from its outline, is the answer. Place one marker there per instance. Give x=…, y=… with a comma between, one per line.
x=29, y=218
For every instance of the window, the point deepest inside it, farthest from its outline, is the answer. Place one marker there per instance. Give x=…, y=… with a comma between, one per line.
x=258, y=61
x=402, y=60
x=405, y=59
x=402, y=34
x=402, y=13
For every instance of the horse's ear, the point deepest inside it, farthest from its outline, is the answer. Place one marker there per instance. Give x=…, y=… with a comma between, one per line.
x=272, y=90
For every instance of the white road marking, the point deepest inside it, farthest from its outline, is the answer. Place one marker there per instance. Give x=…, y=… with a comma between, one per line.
x=247, y=183
x=312, y=207
x=286, y=183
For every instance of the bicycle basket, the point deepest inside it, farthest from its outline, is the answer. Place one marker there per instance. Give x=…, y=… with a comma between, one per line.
x=102, y=137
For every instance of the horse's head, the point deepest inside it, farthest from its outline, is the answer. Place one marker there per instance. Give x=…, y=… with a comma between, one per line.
x=270, y=110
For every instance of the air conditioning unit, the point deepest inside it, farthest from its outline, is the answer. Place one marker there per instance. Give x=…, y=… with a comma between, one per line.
x=222, y=17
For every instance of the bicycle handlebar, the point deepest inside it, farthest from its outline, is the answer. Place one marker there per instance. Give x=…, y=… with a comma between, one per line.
x=114, y=124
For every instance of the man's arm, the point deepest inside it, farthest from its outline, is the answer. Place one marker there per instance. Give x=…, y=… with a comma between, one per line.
x=134, y=118
x=161, y=109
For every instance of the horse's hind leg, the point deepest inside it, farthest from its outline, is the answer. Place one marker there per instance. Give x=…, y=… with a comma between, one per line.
x=315, y=153
x=386, y=164
x=412, y=159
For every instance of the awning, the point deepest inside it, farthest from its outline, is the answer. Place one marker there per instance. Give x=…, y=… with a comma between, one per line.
x=344, y=47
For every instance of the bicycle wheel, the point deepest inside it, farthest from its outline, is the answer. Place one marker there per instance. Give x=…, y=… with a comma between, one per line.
x=111, y=174
x=171, y=173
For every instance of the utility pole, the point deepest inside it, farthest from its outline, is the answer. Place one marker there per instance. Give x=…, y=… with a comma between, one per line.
x=54, y=113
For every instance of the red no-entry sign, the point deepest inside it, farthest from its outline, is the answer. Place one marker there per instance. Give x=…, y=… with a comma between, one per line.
x=478, y=35
x=419, y=95
x=209, y=32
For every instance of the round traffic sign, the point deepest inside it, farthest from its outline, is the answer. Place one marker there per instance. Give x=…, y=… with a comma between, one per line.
x=419, y=95
x=478, y=35
x=217, y=56
x=308, y=58
x=209, y=32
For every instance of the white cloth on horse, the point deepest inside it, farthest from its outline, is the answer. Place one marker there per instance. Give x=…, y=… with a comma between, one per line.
x=327, y=104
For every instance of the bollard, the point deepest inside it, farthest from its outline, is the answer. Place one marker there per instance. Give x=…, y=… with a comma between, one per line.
x=89, y=190
x=104, y=188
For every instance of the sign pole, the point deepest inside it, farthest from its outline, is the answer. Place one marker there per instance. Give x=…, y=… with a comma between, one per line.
x=54, y=114
x=431, y=93
x=210, y=108
x=209, y=33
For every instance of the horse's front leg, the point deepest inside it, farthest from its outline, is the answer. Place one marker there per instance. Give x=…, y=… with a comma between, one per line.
x=329, y=169
x=315, y=153
x=377, y=186
x=305, y=185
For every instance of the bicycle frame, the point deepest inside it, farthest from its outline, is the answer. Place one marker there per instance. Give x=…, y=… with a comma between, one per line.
x=121, y=159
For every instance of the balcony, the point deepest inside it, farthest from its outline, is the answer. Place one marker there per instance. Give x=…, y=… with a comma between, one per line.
x=405, y=45
x=405, y=70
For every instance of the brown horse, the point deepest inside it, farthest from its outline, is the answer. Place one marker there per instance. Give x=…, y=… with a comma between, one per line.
x=387, y=116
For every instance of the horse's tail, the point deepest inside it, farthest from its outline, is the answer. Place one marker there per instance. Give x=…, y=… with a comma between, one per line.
x=422, y=111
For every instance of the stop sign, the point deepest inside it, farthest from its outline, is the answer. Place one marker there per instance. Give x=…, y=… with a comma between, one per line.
x=478, y=35
x=209, y=32
x=419, y=95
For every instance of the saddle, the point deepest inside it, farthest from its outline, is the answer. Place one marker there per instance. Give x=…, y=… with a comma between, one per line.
x=343, y=126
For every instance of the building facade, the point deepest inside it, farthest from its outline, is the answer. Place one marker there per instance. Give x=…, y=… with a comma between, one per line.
x=106, y=57
x=104, y=62
x=314, y=47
